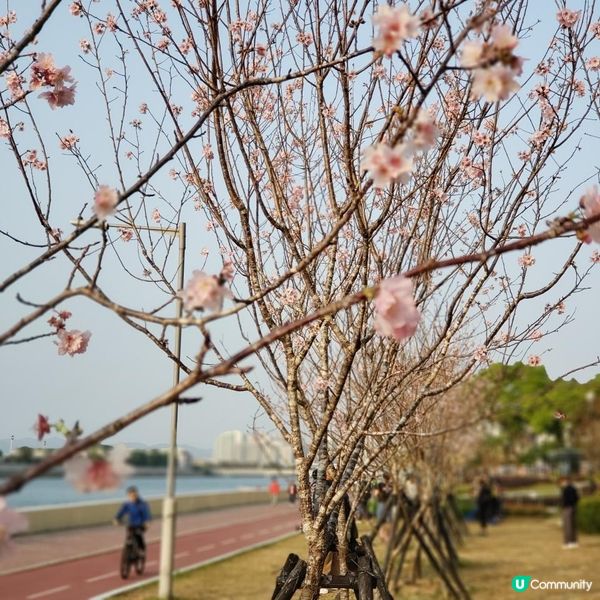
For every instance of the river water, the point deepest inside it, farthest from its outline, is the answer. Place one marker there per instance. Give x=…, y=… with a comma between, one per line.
x=46, y=491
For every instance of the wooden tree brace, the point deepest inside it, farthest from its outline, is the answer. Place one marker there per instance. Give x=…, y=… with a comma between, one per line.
x=290, y=578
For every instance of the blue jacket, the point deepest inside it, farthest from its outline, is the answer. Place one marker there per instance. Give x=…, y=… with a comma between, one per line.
x=137, y=513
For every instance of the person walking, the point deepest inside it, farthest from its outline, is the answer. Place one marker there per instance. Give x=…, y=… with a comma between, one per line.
x=484, y=499
x=274, y=490
x=568, y=500
x=292, y=492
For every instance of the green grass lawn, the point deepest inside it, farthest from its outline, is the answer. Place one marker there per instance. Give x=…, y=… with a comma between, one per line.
x=517, y=546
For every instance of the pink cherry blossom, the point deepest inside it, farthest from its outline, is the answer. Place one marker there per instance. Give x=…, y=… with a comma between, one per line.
x=502, y=38
x=396, y=25
x=60, y=96
x=156, y=215
x=4, y=129
x=472, y=54
x=289, y=296
x=126, y=234
x=95, y=474
x=321, y=384
x=203, y=292
x=76, y=9
x=481, y=139
x=306, y=39
x=105, y=201
x=534, y=360
x=227, y=272
x=111, y=22
x=14, y=83
x=43, y=71
x=385, y=164
x=207, y=152
x=72, y=342
x=395, y=312
x=11, y=522
x=68, y=142
x=480, y=354
x=425, y=131
x=590, y=203
x=593, y=64
x=526, y=260
x=41, y=426
x=8, y=19
x=567, y=18
x=494, y=83
x=56, y=322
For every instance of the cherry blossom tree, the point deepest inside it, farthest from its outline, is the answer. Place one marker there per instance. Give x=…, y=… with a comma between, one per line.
x=369, y=185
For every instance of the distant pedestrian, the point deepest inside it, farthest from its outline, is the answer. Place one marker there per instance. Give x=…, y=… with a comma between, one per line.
x=292, y=492
x=362, y=510
x=484, y=503
x=274, y=490
x=568, y=500
x=495, y=507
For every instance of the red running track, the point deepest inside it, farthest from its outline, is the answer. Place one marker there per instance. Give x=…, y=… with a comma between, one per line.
x=85, y=578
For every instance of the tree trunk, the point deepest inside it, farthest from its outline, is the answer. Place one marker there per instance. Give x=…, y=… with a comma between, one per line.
x=314, y=570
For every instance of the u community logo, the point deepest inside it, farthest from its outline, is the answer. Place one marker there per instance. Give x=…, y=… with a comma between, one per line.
x=520, y=582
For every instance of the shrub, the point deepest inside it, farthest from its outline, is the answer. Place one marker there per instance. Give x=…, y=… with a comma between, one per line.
x=588, y=514
x=466, y=505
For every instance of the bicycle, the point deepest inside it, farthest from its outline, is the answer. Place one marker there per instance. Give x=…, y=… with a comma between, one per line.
x=133, y=554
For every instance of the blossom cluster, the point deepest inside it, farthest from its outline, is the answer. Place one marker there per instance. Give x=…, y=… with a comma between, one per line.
x=93, y=473
x=396, y=315
x=45, y=74
x=386, y=164
x=106, y=199
x=396, y=25
x=494, y=64
x=11, y=522
x=207, y=292
x=590, y=203
x=71, y=341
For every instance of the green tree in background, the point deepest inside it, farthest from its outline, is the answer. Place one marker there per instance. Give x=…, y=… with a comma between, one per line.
x=533, y=414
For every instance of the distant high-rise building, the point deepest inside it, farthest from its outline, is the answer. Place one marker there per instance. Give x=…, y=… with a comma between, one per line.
x=238, y=448
x=228, y=448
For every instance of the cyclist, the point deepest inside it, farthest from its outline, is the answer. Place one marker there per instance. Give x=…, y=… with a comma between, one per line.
x=138, y=514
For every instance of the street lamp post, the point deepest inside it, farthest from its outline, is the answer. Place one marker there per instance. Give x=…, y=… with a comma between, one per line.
x=169, y=507
x=165, y=582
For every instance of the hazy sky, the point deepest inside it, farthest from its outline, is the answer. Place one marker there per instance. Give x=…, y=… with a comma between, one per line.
x=122, y=369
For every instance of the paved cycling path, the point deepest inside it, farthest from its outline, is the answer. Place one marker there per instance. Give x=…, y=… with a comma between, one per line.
x=201, y=537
